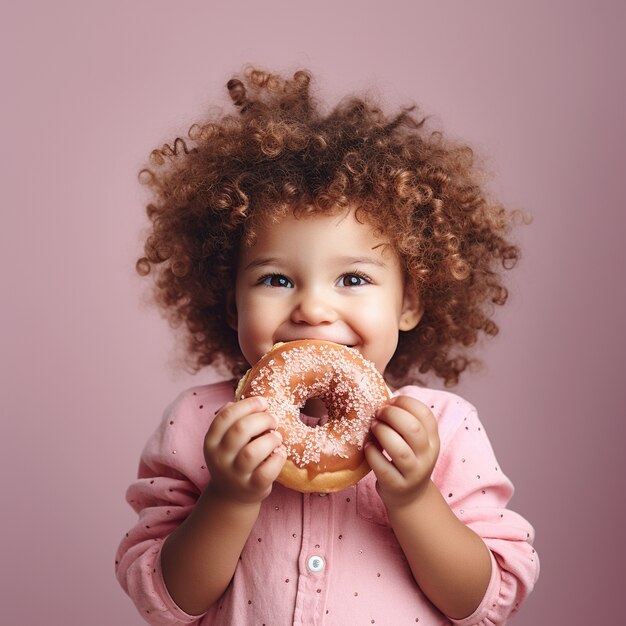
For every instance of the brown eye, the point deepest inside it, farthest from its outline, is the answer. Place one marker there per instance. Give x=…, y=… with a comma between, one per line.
x=352, y=280
x=276, y=280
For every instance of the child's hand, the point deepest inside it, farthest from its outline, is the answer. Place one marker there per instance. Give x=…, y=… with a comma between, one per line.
x=407, y=431
x=242, y=451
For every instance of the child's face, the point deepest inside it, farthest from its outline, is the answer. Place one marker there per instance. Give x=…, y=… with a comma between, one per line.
x=322, y=277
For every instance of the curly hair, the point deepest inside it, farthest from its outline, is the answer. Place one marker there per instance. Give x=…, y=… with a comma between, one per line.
x=281, y=153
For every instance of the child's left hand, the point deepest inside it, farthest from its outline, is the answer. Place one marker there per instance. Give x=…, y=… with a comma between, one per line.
x=407, y=431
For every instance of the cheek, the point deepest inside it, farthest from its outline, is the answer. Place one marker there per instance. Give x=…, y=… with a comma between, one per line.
x=250, y=342
x=378, y=316
x=379, y=327
x=256, y=328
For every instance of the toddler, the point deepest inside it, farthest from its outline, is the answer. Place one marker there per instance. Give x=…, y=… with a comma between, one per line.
x=286, y=222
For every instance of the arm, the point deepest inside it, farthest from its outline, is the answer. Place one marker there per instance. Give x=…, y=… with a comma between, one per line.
x=449, y=562
x=199, y=558
x=244, y=458
x=176, y=507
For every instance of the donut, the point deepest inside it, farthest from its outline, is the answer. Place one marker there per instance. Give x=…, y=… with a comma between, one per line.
x=328, y=457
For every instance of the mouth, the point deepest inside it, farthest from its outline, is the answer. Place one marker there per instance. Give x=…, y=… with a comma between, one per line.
x=341, y=343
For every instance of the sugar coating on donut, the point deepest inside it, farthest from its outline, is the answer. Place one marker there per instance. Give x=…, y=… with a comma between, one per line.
x=346, y=388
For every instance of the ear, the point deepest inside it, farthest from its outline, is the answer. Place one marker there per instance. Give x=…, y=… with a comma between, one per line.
x=412, y=309
x=231, y=311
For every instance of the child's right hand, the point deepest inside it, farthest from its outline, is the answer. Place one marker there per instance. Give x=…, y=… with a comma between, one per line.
x=243, y=451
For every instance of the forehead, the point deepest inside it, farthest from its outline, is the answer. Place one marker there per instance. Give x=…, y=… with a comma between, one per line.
x=319, y=234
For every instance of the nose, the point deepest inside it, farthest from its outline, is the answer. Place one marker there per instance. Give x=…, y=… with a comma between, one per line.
x=313, y=308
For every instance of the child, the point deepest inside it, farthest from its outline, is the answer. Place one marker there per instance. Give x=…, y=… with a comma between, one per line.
x=285, y=223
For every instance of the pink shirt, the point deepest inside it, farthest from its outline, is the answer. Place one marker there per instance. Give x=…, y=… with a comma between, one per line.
x=323, y=559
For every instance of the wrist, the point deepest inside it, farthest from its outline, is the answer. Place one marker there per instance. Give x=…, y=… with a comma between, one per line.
x=420, y=497
x=215, y=496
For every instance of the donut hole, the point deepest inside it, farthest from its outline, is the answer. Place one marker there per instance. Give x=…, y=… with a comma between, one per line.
x=314, y=406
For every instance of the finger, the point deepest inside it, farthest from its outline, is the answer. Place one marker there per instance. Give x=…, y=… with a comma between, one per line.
x=397, y=448
x=384, y=469
x=406, y=425
x=244, y=430
x=419, y=410
x=231, y=412
x=256, y=451
x=269, y=469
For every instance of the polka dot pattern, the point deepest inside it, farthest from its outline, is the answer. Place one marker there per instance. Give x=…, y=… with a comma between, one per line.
x=360, y=565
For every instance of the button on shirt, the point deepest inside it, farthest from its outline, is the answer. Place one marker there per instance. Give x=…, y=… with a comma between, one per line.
x=315, y=564
x=323, y=559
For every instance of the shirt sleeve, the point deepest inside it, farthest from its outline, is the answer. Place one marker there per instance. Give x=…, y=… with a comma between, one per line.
x=471, y=481
x=170, y=479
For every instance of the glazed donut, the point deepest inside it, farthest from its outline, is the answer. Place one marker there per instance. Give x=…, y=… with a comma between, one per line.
x=328, y=457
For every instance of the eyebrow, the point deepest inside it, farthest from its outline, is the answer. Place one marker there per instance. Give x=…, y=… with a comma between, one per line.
x=359, y=260
x=340, y=260
x=262, y=261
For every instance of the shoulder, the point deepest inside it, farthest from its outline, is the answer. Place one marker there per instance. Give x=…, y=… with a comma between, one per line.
x=202, y=397
x=449, y=409
x=192, y=411
x=176, y=442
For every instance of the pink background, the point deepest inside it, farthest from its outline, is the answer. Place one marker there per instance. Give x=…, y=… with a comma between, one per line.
x=87, y=367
